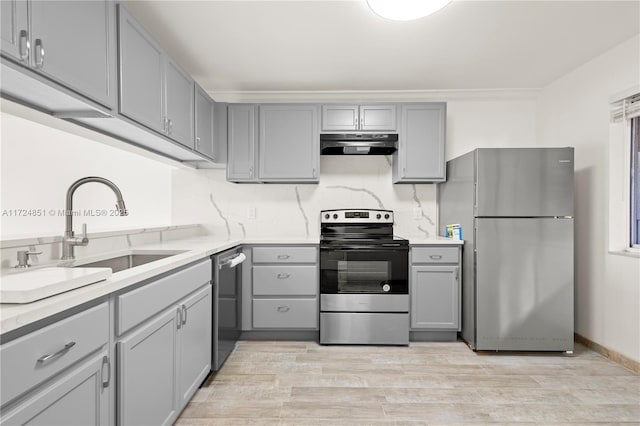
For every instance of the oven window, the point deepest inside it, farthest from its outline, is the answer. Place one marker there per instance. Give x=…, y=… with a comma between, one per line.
x=363, y=272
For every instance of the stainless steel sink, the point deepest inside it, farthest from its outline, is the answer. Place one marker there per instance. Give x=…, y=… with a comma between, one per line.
x=127, y=261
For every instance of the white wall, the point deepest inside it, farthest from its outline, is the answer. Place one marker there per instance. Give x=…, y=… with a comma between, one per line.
x=39, y=162
x=574, y=111
x=349, y=181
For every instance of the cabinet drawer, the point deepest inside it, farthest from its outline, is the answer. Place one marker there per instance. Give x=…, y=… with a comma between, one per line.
x=64, y=343
x=285, y=280
x=285, y=313
x=434, y=254
x=285, y=254
x=136, y=306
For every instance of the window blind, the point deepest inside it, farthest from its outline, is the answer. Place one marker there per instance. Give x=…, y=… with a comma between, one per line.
x=626, y=108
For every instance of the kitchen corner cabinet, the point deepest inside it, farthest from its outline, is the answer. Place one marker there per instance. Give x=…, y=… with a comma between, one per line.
x=273, y=143
x=154, y=90
x=204, y=124
x=435, y=289
x=421, y=143
x=70, y=42
x=373, y=117
x=164, y=348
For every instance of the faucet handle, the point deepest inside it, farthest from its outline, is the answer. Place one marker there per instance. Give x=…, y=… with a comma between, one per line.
x=85, y=239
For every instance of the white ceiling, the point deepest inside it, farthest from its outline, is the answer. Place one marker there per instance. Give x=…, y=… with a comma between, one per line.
x=341, y=45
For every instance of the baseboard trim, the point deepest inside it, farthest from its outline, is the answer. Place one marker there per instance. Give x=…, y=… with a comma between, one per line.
x=608, y=353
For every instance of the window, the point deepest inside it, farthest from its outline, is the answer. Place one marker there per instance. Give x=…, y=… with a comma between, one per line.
x=635, y=184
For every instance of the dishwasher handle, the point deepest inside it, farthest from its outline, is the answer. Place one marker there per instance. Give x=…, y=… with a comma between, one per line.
x=232, y=262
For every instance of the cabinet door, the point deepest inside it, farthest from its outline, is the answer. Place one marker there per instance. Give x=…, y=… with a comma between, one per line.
x=194, y=344
x=378, y=117
x=241, y=143
x=179, y=103
x=289, y=143
x=147, y=375
x=74, y=42
x=435, y=297
x=340, y=117
x=421, y=145
x=80, y=397
x=204, y=141
x=141, y=74
x=14, y=29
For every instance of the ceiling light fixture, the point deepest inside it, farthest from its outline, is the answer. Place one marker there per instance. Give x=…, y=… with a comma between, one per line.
x=406, y=10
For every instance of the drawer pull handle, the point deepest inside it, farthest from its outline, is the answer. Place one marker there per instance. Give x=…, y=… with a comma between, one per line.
x=283, y=256
x=436, y=256
x=283, y=276
x=49, y=357
x=184, y=310
x=283, y=309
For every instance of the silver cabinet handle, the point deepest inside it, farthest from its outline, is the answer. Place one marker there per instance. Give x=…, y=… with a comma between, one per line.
x=283, y=276
x=250, y=171
x=170, y=126
x=46, y=358
x=435, y=256
x=197, y=142
x=283, y=256
x=39, y=53
x=105, y=361
x=184, y=310
x=314, y=172
x=179, y=316
x=24, y=45
x=164, y=124
x=283, y=309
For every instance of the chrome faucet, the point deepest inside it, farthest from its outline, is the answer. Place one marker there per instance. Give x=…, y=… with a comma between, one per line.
x=69, y=241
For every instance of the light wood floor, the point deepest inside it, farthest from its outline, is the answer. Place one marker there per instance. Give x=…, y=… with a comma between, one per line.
x=291, y=383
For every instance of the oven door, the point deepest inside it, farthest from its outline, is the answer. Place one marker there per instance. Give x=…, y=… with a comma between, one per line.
x=365, y=269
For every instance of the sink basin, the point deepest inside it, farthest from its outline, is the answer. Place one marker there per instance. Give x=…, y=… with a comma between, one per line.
x=127, y=261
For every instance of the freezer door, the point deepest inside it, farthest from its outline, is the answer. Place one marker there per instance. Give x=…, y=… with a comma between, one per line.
x=524, y=182
x=524, y=284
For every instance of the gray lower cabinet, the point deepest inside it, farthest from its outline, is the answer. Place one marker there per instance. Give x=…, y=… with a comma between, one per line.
x=79, y=397
x=59, y=374
x=70, y=42
x=154, y=90
x=164, y=349
x=421, y=143
x=284, y=282
x=273, y=143
x=147, y=372
x=435, y=289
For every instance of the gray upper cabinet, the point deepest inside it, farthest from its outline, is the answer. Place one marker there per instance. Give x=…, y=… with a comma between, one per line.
x=154, y=90
x=375, y=117
x=70, y=42
x=421, y=144
x=179, y=103
x=241, y=143
x=141, y=74
x=289, y=143
x=204, y=124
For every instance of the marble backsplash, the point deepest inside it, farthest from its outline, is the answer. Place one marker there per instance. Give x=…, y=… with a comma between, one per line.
x=232, y=211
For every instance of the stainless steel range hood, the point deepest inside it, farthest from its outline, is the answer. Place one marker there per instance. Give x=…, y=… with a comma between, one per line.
x=358, y=143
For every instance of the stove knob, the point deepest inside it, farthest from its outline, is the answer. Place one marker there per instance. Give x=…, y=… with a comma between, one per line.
x=378, y=216
x=386, y=216
x=326, y=216
x=335, y=216
x=386, y=287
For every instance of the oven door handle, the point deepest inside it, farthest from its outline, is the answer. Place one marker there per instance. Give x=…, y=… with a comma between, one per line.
x=366, y=247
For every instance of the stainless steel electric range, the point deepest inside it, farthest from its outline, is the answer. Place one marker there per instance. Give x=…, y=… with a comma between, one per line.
x=364, y=286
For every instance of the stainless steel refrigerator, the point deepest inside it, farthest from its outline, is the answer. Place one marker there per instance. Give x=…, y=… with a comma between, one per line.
x=515, y=206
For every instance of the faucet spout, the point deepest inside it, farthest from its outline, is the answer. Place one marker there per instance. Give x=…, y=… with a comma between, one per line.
x=69, y=240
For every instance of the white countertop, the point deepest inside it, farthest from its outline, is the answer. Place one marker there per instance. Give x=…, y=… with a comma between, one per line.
x=13, y=316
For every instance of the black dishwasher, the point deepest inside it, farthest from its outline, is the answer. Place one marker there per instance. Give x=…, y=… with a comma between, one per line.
x=227, y=279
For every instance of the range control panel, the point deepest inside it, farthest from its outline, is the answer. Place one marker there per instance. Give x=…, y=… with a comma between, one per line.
x=356, y=216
